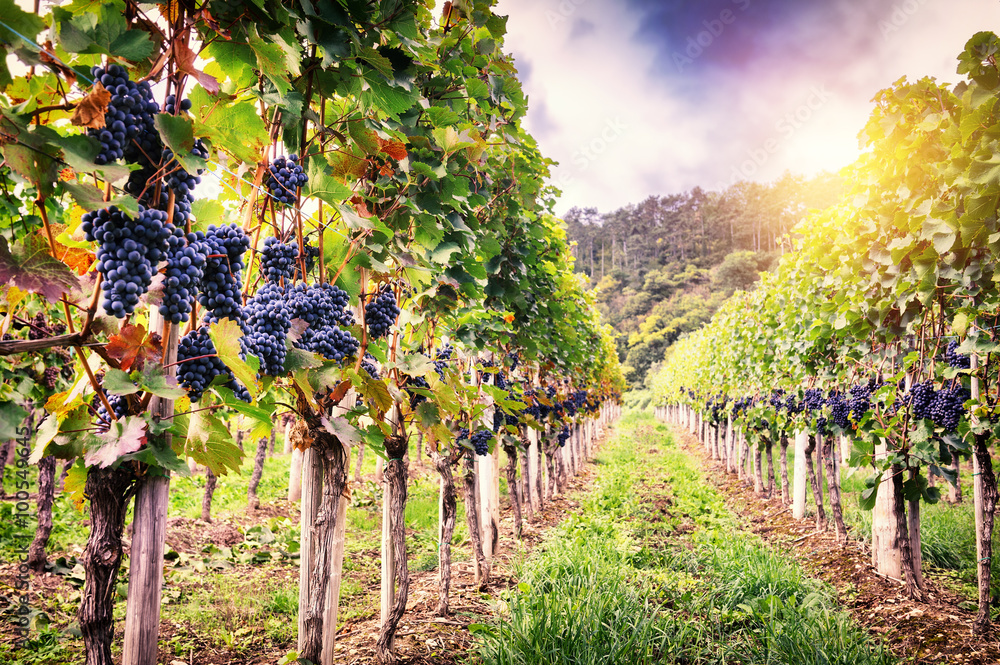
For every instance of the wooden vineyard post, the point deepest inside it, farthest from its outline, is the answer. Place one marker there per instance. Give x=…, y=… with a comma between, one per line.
x=785, y=499
x=288, y=438
x=534, y=471
x=984, y=496
x=388, y=576
x=494, y=522
x=578, y=446
x=730, y=448
x=740, y=466
x=149, y=522
x=311, y=489
x=295, y=476
x=487, y=474
x=799, y=475
x=887, y=558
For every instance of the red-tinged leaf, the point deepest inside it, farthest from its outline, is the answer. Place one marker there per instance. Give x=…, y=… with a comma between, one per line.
x=361, y=206
x=296, y=330
x=76, y=258
x=339, y=392
x=90, y=110
x=132, y=346
x=125, y=436
x=30, y=267
x=395, y=149
x=210, y=20
x=185, y=58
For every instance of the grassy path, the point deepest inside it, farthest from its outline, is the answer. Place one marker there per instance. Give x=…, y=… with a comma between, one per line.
x=653, y=568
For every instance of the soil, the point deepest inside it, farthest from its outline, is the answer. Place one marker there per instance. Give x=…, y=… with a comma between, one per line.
x=937, y=630
x=422, y=637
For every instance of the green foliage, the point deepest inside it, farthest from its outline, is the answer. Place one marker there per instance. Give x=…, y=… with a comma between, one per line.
x=876, y=286
x=662, y=267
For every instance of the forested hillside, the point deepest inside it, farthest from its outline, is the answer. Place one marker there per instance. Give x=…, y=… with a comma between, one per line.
x=661, y=267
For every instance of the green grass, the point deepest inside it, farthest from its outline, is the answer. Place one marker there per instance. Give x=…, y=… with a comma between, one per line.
x=624, y=582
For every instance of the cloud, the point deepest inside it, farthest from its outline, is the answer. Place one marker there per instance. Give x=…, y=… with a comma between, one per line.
x=657, y=96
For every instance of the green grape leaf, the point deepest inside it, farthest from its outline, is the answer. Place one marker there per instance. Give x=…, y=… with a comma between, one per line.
x=276, y=59
x=75, y=483
x=343, y=430
x=210, y=444
x=323, y=186
x=104, y=31
x=155, y=380
x=12, y=417
x=118, y=382
x=32, y=163
x=79, y=152
x=226, y=335
x=16, y=20
x=178, y=133
x=299, y=359
x=91, y=198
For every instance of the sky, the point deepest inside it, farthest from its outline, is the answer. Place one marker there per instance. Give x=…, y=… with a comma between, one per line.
x=643, y=97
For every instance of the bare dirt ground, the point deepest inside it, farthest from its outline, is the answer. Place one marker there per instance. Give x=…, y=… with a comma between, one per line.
x=937, y=630
x=422, y=636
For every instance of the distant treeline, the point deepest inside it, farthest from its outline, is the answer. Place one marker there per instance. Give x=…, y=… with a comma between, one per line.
x=661, y=267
